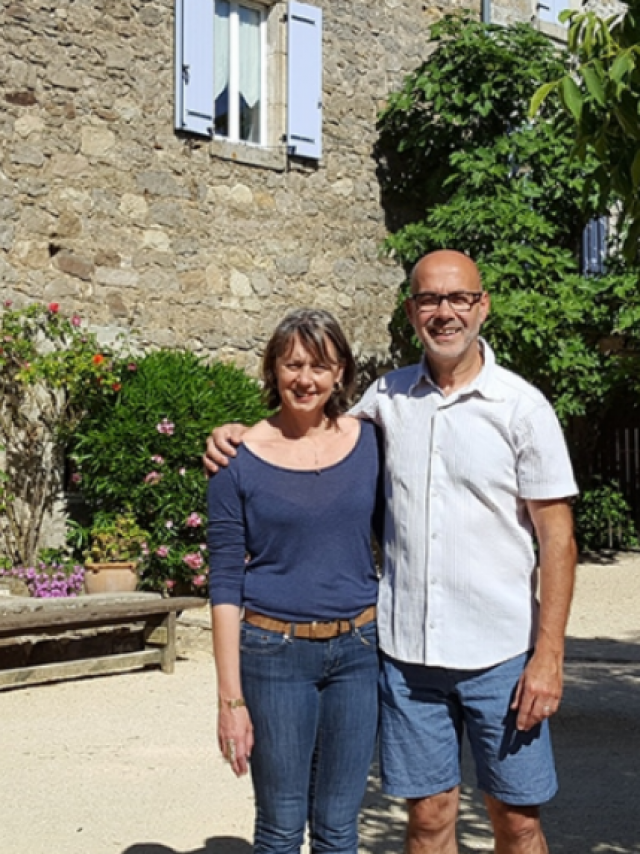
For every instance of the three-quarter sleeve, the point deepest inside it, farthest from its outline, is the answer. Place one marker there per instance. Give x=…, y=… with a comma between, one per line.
x=226, y=538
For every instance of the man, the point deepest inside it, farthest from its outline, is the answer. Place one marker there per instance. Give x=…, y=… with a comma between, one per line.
x=475, y=463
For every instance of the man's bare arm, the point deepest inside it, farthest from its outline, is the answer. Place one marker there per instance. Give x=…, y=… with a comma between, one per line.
x=540, y=687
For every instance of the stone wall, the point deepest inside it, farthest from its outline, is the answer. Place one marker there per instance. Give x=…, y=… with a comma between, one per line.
x=106, y=210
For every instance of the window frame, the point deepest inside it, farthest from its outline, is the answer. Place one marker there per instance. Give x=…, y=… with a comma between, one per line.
x=291, y=127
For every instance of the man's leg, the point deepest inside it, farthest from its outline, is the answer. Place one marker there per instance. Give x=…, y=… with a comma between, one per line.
x=517, y=830
x=515, y=769
x=431, y=828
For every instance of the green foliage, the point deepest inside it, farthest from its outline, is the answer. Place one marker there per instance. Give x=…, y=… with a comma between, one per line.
x=116, y=538
x=143, y=455
x=52, y=372
x=604, y=520
x=475, y=174
x=601, y=93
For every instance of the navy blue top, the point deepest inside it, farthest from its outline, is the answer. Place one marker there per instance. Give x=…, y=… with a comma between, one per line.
x=307, y=535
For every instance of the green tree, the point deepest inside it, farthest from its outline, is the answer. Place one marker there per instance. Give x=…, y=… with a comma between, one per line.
x=600, y=91
x=467, y=169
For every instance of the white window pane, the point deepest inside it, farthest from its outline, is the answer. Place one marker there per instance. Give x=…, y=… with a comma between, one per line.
x=250, y=74
x=221, y=67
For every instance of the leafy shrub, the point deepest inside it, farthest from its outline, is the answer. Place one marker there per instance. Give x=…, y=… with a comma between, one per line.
x=116, y=538
x=52, y=372
x=604, y=520
x=143, y=455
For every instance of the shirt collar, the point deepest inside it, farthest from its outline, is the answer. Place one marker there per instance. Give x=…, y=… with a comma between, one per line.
x=483, y=384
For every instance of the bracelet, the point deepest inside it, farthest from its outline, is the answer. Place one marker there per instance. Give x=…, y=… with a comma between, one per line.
x=231, y=704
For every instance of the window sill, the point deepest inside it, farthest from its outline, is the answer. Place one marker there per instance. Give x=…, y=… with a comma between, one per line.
x=250, y=155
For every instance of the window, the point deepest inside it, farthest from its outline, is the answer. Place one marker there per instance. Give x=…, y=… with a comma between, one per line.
x=548, y=11
x=232, y=81
x=238, y=85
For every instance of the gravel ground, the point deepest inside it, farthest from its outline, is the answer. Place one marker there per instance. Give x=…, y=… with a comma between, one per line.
x=128, y=764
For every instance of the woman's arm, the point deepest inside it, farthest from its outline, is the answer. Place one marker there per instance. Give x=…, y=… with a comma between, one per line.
x=226, y=539
x=235, y=731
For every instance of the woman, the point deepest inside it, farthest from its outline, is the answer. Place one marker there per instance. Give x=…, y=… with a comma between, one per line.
x=293, y=590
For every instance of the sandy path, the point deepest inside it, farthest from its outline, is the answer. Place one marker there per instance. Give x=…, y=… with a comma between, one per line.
x=128, y=764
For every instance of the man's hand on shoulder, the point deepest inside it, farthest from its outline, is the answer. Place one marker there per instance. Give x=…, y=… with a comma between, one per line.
x=221, y=445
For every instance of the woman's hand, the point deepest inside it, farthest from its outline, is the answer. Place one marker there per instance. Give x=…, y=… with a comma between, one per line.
x=235, y=737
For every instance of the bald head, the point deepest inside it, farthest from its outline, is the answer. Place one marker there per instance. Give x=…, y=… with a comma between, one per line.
x=442, y=266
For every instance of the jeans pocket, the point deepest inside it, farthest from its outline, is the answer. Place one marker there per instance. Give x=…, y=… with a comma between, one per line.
x=257, y=641
x=368, y=634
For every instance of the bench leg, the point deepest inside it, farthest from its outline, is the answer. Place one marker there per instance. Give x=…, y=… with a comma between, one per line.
x=168, y=651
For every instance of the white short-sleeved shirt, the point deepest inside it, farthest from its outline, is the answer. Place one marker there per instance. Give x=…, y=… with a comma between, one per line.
x=459, y=580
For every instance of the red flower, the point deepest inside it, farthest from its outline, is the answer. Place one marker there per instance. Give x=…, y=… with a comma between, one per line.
x=116, y=386
x=53, y=307
x=98, y=359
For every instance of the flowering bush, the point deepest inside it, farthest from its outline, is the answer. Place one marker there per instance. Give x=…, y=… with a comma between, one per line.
x=48, y=579
x=143, y=456
x=51, y=374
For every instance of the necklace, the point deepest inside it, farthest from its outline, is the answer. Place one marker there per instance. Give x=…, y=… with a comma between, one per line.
x=316, y=459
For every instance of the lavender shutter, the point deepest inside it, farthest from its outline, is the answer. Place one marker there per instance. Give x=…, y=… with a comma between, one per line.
x=594, y=246
x=194, y=66
x=304, y=90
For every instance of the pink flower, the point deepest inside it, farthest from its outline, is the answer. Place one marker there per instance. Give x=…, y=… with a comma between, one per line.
x=203, y=547
x=132, y=366
x=76, y=320
x=168, y=524
x=193, y=561
x=76, y=477
x=193, y=521
x=170, y=584
x=162, y=551
x=53, y=307
x=166, y=427
x=8, y=303
x=144, y=548
x=156, y=458
x=182, y=471
x=199, y=580
x=153, y=477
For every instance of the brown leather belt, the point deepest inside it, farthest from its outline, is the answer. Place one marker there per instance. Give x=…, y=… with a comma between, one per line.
x=316, y=630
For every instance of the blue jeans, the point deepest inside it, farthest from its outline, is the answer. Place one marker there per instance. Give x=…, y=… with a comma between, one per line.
x=314, y=708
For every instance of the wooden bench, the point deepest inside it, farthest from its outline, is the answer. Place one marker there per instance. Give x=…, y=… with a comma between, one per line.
x=53, y=618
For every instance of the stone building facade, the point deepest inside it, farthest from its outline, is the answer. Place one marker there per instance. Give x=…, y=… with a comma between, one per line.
x=182, y=240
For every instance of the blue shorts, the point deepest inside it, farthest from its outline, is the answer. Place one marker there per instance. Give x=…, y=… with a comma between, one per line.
x=423, y=714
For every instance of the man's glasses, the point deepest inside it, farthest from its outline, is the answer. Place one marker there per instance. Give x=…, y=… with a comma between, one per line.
x=460, y=301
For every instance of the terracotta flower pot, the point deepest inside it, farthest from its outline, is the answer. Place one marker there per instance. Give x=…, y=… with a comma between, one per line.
x=111, y=577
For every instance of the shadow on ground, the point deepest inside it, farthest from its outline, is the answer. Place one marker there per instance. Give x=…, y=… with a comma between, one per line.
x=215, y=845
